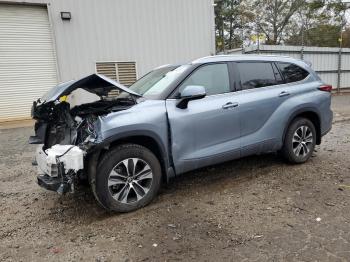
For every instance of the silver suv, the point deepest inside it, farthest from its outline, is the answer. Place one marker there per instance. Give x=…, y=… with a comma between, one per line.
x=177, y=118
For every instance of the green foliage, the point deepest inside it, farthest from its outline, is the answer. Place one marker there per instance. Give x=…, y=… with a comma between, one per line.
x=321, y=35
x=312, y=22
x=346, y=38
x=229, y=16
x=274, y=17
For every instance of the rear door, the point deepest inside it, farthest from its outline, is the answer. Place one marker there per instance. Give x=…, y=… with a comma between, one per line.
x=262, y=91
x=207, y=131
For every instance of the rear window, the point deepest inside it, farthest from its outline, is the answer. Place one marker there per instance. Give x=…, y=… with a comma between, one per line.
x=257, y=74
x=292, y=73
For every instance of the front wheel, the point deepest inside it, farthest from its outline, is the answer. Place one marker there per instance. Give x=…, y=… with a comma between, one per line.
x=299, y=142
x=128, y=178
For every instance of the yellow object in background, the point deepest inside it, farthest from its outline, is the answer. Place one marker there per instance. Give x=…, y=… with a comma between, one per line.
x=254, y=37
x=63, y=99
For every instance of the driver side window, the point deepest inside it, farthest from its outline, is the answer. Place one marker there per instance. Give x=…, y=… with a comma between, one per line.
x=214, y=78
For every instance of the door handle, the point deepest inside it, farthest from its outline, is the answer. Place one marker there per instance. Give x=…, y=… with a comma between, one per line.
x=230, y=105
x=283, y=93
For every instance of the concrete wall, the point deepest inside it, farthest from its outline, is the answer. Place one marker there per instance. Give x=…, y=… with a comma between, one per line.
x=324, y=60
x=149, y=32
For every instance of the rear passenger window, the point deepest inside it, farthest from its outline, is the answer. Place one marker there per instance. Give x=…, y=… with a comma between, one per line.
x=257, y=74
x=292, y=73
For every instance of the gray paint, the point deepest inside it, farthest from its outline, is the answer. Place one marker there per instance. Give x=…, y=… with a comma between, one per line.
x=95, y=83
x=207, y=133
x=151, y=33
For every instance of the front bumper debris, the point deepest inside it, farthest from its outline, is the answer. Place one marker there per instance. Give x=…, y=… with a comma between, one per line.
x=58, y=167
x=54, y=184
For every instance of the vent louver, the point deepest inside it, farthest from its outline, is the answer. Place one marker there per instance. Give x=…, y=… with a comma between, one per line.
x=123, y=72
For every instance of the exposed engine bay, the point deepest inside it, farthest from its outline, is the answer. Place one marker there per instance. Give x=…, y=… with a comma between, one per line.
x=73, y=126
x=66, y=128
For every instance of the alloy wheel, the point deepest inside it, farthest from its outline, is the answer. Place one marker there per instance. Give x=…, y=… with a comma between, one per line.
x=130, y=180
x=302, y=141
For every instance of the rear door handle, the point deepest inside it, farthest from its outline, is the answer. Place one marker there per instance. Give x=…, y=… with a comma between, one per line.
x=230, y=105
x=283, y=93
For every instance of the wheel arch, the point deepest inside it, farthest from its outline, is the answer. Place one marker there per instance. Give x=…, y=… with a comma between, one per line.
x=144, y=138
x=310, y=114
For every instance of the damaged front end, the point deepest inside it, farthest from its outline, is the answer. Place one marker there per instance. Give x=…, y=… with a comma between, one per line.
x=67, y=129
x=58, y=167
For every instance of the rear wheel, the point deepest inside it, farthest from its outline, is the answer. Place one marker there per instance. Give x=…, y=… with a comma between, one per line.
x=300, y=140
x=128, y=177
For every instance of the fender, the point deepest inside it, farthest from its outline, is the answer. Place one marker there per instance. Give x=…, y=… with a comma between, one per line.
x=301, y=111
x=168, y=167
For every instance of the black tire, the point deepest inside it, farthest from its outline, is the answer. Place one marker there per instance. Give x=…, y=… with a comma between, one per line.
x=290, y=148
x=109, y=161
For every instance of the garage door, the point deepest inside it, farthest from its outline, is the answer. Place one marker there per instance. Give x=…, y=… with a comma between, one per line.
x=27, y=59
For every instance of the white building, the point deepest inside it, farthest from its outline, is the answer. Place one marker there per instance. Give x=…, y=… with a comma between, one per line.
x=40, y=46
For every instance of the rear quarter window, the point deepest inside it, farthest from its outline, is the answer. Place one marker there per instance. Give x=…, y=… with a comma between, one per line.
x=292, y=72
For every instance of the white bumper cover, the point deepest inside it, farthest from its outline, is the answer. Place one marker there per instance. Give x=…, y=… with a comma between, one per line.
x=72, y=159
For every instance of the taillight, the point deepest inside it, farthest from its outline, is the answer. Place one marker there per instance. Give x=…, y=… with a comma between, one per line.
x=326, y=88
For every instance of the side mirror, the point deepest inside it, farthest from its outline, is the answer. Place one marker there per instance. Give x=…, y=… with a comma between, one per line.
x=190, y=93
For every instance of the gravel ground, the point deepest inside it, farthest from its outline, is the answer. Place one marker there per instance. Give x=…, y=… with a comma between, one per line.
x=254, y=209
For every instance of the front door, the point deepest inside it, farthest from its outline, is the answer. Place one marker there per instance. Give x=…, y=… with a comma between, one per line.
x=208, y=130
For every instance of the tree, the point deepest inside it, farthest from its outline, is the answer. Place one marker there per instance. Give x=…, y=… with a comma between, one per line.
x=321, y=35
x=219, y=25
x=318, y=24
x=311, y=22
x=229, y=15
x=273, y=18
x=346, y=37
x=232, y=12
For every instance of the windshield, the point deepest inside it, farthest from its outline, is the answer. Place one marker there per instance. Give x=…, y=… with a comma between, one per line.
x=155, y=82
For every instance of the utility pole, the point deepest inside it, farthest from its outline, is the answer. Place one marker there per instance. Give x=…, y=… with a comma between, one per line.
x=340, y=54
x=242, y=34
x=223, y=35
x=258, y=32
x=302, y=40
x=342, y=23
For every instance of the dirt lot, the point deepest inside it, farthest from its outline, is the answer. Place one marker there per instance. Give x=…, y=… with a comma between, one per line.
x=254, y=209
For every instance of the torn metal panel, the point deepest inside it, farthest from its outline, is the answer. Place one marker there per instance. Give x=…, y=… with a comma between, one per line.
x=95, y=83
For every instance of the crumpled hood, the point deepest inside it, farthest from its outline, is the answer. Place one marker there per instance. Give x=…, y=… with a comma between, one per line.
x=95, y=83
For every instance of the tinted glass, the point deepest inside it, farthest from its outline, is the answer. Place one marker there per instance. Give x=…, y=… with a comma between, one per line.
x=292, y=73
x=256, y=74
x=278, y=76
x=214, y=78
